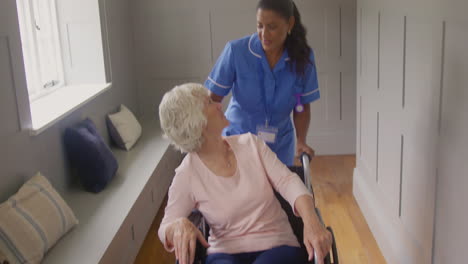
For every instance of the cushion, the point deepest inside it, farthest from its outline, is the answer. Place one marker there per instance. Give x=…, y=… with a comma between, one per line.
x=124, y=128
x=32, y=221
x=89, y=154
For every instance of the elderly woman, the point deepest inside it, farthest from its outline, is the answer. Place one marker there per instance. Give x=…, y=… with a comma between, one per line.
x=230, y=180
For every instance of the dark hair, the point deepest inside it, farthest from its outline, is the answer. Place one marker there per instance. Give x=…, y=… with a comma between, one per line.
x=296, y=42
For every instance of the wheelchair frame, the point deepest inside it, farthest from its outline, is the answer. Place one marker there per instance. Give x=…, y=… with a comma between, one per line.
x=296, y=222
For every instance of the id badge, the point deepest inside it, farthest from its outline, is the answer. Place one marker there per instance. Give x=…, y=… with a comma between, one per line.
x=268, y=134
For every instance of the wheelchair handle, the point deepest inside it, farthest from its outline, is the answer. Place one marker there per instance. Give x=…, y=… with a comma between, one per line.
x=305, y=160
x=303, y=156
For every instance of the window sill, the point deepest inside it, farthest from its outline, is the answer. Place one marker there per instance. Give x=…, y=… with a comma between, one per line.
x=52, y=108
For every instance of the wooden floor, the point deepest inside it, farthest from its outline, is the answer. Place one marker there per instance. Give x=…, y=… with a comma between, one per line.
x=332, y=178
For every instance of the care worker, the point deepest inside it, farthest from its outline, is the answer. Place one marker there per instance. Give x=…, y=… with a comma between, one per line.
x=270, y=74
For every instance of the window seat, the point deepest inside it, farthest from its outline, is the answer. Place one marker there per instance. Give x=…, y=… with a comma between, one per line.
x=114, y=223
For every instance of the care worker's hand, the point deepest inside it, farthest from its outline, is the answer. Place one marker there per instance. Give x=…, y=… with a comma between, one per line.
x=303, y=147
x=183, y=235
x=318, y=240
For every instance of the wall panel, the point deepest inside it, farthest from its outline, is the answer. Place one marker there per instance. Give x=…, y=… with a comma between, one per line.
x=389, y=99
x=411, y=76
x=451, y=212
x=10, y=125
x=182, y=40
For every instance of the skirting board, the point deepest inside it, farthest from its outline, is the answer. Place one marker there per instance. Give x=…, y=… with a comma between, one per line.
x=393, y=240
x=333, y=142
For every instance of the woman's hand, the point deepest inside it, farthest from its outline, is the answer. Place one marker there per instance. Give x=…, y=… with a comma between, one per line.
x=183, y=235
x=317, y=240
x=303, y=147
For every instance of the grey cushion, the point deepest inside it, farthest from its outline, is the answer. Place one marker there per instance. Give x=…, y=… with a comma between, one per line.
x=124, y=128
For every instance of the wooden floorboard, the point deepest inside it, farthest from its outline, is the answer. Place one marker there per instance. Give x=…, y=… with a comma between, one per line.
x=332, y=178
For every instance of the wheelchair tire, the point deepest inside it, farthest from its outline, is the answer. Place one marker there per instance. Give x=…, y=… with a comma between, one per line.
x=334, y=249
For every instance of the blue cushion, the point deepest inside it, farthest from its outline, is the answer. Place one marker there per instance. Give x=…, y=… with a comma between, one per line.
x=89, y=154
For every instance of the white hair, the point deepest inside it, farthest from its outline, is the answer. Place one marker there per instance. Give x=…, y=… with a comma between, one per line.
x=181, y=116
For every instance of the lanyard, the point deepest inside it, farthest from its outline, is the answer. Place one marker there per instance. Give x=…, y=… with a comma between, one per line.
x=299, y=108
x=261, y=74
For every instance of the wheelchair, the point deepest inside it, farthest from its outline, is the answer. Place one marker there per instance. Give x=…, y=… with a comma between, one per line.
x=296, y=222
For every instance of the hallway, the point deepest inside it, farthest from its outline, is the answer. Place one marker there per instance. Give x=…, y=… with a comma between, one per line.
x=332, y=178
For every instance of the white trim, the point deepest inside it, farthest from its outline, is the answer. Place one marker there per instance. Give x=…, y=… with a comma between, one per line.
x=256, y=54
x=50, y=109
x=394, y=240
x=58, y=45
x=311, y=92
x=40, y=68
x=250, y=49
x=217, y=84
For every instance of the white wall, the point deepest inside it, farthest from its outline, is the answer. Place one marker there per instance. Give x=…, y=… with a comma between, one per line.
x=411, y=77
x=22, y=155
x=179, y=41
x=451, y=232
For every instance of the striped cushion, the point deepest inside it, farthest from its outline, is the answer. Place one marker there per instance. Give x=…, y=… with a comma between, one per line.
x=32, y=221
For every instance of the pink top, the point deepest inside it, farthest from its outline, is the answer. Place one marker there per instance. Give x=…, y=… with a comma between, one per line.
x=242, y=210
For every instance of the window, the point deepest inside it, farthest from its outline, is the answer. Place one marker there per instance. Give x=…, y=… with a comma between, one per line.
x=41, y=46
x=65, y=56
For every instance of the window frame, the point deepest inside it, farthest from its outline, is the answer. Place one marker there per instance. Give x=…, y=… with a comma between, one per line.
x=79, y=87
x=28, y=16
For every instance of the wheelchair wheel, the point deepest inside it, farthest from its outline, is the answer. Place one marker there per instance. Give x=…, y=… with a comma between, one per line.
x=334, y=250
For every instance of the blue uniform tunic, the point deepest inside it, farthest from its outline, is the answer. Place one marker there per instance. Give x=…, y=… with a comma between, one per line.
x=260, y=93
